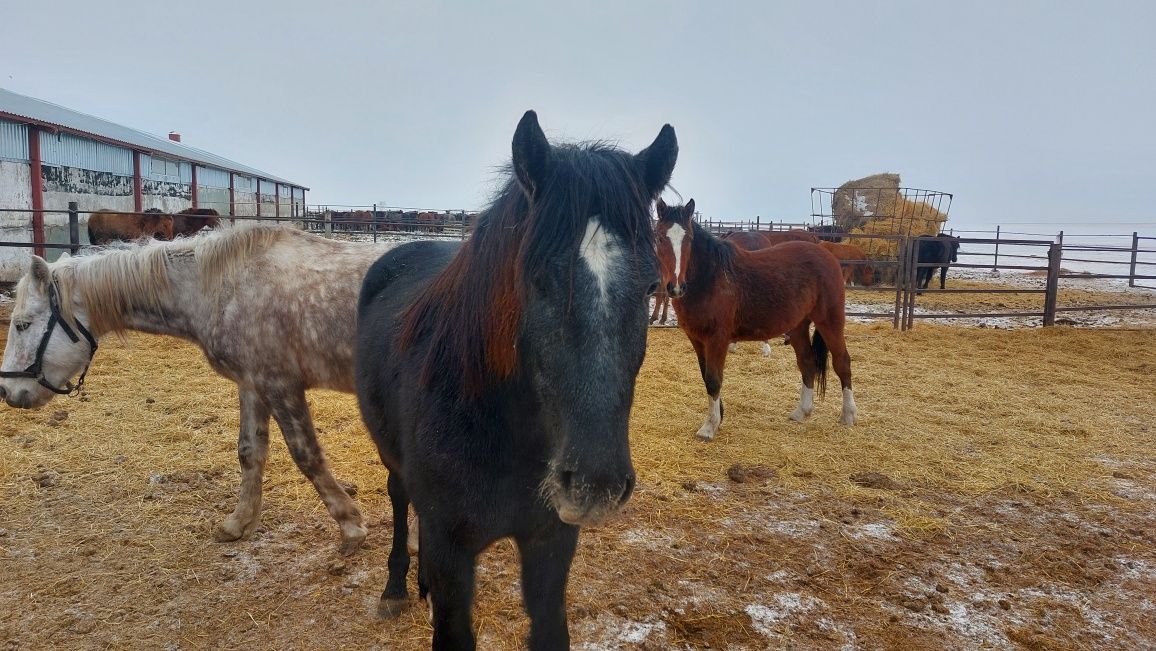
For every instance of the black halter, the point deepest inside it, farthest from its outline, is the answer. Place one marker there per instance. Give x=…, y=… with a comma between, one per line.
x=35, y=371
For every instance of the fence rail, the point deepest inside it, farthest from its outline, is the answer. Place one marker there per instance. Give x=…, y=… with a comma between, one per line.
x=900, y=274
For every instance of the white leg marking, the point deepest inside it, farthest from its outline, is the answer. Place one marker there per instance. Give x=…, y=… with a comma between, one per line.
x=766, y=349
x=849, y=410
x=600, y=253
x=713, y=418
x=733, y=346
x=806, y=405
x=676, y=233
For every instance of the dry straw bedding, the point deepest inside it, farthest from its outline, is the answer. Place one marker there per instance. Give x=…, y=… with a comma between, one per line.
x=997, y=492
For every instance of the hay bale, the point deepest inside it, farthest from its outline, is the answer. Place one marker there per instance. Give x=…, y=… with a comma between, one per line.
x=910, y=218
x=858, y=200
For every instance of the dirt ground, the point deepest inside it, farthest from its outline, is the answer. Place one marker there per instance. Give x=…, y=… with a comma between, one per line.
x=998, y=492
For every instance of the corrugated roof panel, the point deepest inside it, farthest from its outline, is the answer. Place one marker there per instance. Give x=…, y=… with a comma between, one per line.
x=13, y=141
x=38, y=110
x=71, y=151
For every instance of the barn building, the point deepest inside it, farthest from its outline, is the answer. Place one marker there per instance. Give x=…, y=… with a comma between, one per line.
x=51, y=155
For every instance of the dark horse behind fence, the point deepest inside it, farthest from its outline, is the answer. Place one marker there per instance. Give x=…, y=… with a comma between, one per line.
x=190, y=221
x=938, y=253
x=107, y=226
x=496, y=376
x=723, y=293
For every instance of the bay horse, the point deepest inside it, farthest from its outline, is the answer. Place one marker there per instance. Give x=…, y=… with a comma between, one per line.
x=723, y=293
x=856, y=266
x=758, y=240
x=271, y=307
x=190, y=221
x=496, y=376
x=108, y=226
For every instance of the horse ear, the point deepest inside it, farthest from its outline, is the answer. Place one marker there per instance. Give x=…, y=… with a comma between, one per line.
x=40, y=273
x=688, y=209
x=531, y=154
x=661, y=207
x=657, y=160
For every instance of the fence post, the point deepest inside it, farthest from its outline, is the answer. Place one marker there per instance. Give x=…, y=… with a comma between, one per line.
x=912, y=282
x=899, y=275
x=1051, y=292
x=74, y=227
x=995, y=262
x=373, y=221
x=1132, y=267
x=327, y=220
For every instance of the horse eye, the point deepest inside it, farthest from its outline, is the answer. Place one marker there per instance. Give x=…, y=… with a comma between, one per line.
x=21, y=327
x=653, y=288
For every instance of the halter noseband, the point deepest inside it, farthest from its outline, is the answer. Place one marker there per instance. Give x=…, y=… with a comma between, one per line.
x=35, y=371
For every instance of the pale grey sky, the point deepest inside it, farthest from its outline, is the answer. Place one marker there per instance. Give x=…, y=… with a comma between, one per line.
x=1027, y=111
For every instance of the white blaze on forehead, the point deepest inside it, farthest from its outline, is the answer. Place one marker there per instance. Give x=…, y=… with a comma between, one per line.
x=675, y=235
x=599, y=250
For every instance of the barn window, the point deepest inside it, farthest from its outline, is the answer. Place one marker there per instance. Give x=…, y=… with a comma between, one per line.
x=166, y=170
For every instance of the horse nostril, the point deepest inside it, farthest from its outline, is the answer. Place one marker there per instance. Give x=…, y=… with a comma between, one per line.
x=566, y=480
x=628, y=491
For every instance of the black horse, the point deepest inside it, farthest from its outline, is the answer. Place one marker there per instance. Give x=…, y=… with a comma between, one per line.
x=496, y=376
x=944, y=250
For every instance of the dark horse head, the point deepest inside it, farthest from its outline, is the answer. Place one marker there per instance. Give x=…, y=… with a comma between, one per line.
x=543, y=312
x=675, y=231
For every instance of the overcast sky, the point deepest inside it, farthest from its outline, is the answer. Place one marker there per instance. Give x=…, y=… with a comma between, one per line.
x=1027, y=111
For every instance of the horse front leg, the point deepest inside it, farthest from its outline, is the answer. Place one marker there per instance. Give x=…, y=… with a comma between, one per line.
x=252, y=452
x=712, y=355
x=396, y=597
x=447, y=568
x=545, y=566
x=292, y=413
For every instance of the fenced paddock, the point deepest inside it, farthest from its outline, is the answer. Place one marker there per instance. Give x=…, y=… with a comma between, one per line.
x=997, y=492
x=983, y=500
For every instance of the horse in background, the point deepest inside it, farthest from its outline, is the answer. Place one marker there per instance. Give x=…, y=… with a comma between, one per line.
x=938, y=253
x=723, y=293
x=827, y=232
x=190, y=221
x=496, y=375
x=661, y=302
x=272, y=308
x=108, y=226
x=856, y=265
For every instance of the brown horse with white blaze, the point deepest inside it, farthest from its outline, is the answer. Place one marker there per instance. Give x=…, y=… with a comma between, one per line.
x=723, y=293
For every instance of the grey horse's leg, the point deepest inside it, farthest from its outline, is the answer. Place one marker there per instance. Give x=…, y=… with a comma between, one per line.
x=252, y=451
x=292, y=413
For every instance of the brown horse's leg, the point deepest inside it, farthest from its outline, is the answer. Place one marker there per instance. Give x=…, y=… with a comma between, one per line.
x=665, y=307
x=832, y=332
x=292, y=413
x=801, y=341
x=658, y=298
x=252, y=451
x=712, y=356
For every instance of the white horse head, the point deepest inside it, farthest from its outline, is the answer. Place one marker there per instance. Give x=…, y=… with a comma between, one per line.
x=48, y=343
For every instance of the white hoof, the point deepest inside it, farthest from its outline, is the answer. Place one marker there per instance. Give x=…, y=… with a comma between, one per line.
x=798, y=416
x=707, y=432
x=732, y=347
x=766, y=349
x=849, y=417
x=850, y=412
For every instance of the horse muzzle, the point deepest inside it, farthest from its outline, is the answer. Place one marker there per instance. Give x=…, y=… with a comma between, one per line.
x=584, y=502
x=675, y=289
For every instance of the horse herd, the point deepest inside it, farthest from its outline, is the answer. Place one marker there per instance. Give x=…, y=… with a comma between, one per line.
x=108, y=226
x=495, y=375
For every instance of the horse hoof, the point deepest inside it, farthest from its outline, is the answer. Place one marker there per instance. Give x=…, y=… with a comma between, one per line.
x=231, y=531
x=351, y=540
x=766, y=349
x=391, y=608
x=849, y=418
x=706, y=434
x=798, y=416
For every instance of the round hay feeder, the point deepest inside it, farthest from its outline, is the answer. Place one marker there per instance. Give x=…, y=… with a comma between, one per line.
x=876, y=212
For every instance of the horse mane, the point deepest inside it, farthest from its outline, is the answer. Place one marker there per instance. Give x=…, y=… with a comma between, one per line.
x=718, y=251
x=117, y=281
x=471, y=312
